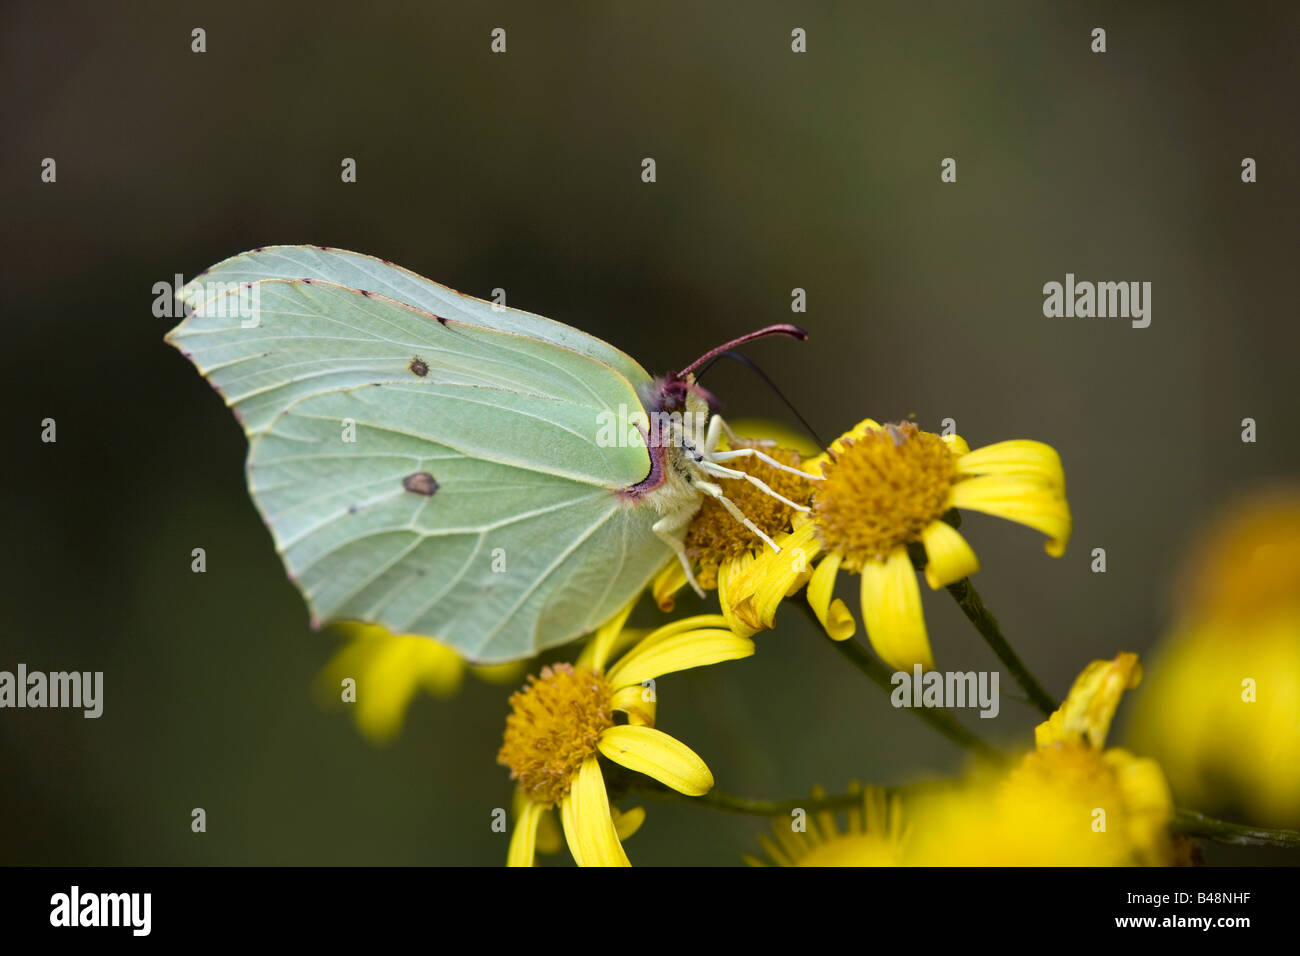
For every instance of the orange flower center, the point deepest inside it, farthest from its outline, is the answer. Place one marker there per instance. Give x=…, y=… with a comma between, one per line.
x=553, y=727
x=715, y=536
x=881, y=490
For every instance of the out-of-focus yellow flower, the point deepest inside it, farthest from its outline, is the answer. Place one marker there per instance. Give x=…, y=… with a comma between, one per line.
x=1221, y=710
x=875, y=835
x=388, y=670
x=1069, y=802
x=563, y=721
x=885, y=488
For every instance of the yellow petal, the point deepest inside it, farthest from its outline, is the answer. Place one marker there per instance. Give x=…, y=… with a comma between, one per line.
x=760, y=429
x=948, y=557
x=1091, y=703
x=1148, y=802
x=596, y=654
x=678, y=653
x=638, y=702
x=388, y=669
x=442, y=670
x=588, y=825
x=1020, y=458
x=627, y=822
x=549, y=836
x=523, y=842
x=667, y=583
x=891, y=609
x=956, y=444
x=832, y=612
x=680, y=626
x=549, y=839
x=655, y=754
x=387, y=686
x=814, y=464
x=854, y=433
x=772, y=850
x=774, y=576
x=730, y=572
x=500, y=673
x=1021, y=500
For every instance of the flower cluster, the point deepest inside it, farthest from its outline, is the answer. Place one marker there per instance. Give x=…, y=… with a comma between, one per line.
x=884, y=504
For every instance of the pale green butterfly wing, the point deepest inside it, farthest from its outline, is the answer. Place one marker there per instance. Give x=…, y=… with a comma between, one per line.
x=358, y=271
x=467, y=497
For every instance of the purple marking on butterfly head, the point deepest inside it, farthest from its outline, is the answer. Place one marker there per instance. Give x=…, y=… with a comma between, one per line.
x=668, y=394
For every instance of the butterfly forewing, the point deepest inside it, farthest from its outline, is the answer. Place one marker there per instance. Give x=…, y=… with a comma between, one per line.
x=357, y=271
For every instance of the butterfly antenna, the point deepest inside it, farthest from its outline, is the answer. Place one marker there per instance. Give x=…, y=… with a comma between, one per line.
x=780, y=329
x=749, y=363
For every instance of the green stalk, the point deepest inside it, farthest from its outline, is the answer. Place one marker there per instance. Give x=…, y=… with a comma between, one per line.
x=968, y=599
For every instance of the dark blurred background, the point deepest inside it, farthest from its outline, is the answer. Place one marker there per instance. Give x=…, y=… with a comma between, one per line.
x=775, y=170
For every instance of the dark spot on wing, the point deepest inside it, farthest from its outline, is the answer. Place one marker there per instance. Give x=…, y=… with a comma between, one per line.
x=421, y=483
x=353, y=509
x=365, y=293
x=419, y=366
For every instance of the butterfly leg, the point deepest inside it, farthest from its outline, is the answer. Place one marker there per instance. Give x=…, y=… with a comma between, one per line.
x=732, y=438
x=765, y=459
x=718, y=471
x=715, y=492
x=718, y=426
x=671, y=529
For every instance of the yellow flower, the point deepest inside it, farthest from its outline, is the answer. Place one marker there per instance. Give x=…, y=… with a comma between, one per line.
x=885, y=488
x=565, y=719
x=1069, y=802
x=1222, y=708
x=875, y=835
x=719, y=547
x=388, y=670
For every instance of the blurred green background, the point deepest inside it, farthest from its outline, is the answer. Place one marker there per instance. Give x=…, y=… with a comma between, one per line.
x=775, y=170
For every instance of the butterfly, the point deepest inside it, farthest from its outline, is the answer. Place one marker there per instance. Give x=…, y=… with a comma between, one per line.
x=447, y=466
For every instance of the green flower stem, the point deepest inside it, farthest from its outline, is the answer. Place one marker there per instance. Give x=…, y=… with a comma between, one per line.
x=1197, y=824
x=939, y=719
x=1188, y=822
x=968, y=599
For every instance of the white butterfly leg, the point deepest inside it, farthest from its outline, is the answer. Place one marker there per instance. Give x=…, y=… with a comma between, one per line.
x=710, y=467
x=671, y=529
x=766, y=459
x=715, y=491
x=718, y=426
x=733, y=438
